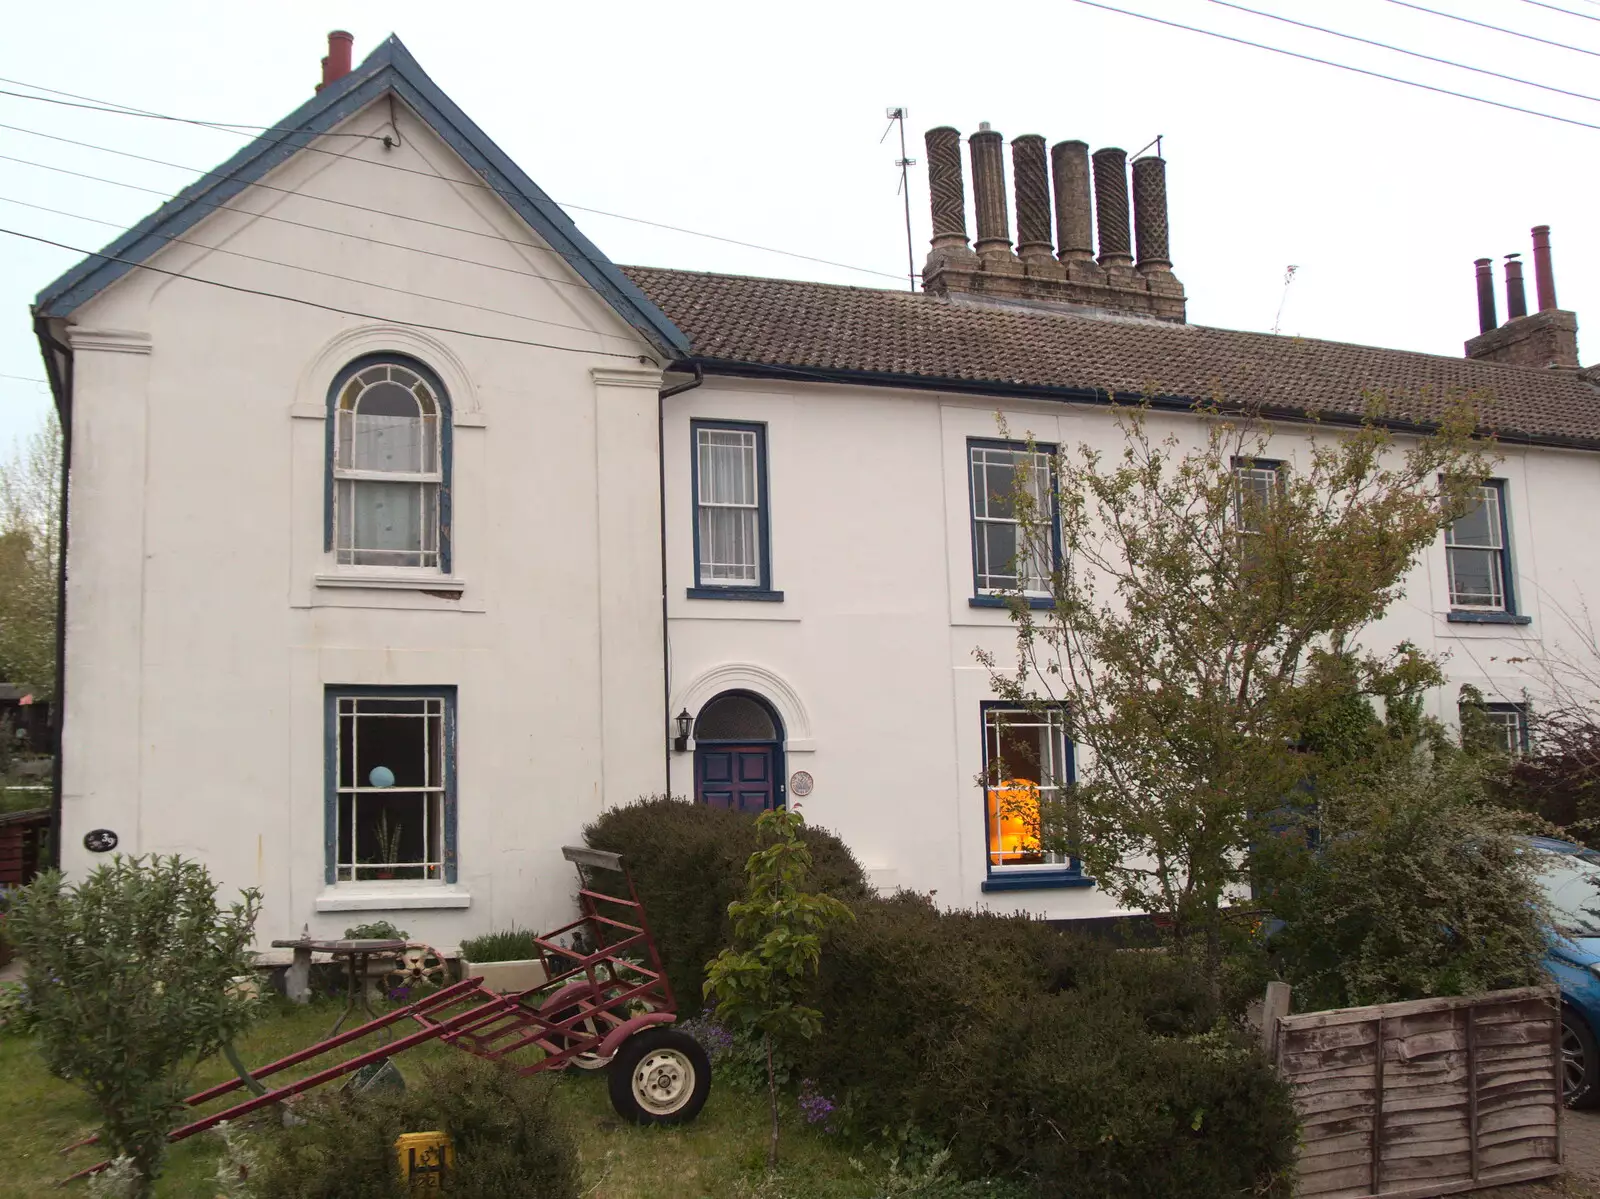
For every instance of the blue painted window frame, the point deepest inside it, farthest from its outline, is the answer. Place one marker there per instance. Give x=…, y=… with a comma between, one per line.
x=1521, y=710
x=331, y=695
x=446, y=446
x=1508, y=614
x=763, y=591
x=980, y=598
x=1023, y=878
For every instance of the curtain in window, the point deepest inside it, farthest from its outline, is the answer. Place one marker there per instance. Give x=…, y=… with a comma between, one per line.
x=730, y=511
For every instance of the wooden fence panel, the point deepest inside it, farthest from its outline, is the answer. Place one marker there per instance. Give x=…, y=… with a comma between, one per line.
x=1434, y=1097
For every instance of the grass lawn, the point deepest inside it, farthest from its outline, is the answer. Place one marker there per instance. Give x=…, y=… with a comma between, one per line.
x=720, y=1156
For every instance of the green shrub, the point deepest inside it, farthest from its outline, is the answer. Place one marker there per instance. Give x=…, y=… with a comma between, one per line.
x=688, y=863
x=508, y=945
x=981, y=1030
x=1420, y=886
x=510, y=1139
x=378, y=930
x=128, y=981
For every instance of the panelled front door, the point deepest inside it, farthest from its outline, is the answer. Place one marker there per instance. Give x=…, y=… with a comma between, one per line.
x=741, y=777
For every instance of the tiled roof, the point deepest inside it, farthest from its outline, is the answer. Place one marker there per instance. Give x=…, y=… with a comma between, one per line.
x=909, y=338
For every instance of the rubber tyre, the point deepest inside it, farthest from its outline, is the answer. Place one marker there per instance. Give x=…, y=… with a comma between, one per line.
x=1578, y=1046
x=660, y=1076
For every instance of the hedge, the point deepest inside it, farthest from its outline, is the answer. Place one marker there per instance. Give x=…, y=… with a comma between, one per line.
x=687, y=862
x=1034, y=1054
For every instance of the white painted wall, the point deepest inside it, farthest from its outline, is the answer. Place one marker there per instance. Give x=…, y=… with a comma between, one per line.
x=205, y=619
x=875, y=638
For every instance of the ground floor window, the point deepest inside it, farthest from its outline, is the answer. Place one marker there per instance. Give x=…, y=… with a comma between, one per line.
x=391, y=784
x=1028, y=770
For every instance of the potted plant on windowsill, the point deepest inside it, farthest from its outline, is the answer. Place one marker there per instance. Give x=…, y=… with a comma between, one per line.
x=506, y=961
x=388, y=846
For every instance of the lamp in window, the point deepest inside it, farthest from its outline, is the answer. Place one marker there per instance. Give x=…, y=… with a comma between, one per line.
x=685, y=722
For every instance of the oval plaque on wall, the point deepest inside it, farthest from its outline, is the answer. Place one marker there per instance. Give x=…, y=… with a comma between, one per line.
x=800, y=783
x=100, y=840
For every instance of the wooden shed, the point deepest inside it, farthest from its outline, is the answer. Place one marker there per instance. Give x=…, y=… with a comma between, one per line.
x=22, y=845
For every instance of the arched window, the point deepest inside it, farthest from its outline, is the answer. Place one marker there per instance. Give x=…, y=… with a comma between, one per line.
x=735, y=717
x=389, y=465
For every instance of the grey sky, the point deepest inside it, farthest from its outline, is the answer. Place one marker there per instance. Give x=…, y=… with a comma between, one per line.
x=762, y=123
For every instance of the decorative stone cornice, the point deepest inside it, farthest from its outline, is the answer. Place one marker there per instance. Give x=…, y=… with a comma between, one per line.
x=613, y=376
x=108, y=341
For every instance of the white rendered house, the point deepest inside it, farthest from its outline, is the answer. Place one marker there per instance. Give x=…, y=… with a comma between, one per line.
x=403, y=525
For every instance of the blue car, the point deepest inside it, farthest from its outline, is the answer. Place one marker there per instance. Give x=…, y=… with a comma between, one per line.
x=1570, y=877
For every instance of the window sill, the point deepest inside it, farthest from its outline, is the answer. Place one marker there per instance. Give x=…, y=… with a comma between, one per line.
x=1044, y=880
x=390, y=897
x=1458, y=616
x=392, y=581
x=736, y=593
x=1004, y=601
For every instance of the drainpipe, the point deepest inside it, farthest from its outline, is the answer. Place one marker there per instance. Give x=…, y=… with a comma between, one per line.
x=664, y=395
x=58, y=367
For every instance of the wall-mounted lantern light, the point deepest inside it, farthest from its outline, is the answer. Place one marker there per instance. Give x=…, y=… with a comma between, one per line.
x=685, y=722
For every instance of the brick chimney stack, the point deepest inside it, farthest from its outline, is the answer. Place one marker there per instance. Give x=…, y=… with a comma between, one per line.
x=337, y=64
x=1066, y=275
x=1547, y=338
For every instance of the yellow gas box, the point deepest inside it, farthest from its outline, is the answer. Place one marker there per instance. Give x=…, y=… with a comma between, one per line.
x=425, y=1158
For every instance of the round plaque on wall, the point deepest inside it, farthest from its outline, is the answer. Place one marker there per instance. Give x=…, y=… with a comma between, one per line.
x=800, y=783
x=100, y=840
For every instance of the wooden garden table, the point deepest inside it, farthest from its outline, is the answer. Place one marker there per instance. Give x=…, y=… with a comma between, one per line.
x=356, y=955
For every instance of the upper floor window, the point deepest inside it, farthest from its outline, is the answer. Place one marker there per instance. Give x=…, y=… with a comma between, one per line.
x=389, y=466
x=1005, y=557
x=1477, y=554
x=732, y=555
x=1257, y=482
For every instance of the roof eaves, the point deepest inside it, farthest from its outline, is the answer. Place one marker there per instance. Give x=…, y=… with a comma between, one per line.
x=735, y=368
x=389, y=67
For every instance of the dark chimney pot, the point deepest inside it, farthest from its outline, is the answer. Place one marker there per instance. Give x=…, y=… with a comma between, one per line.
x=1111, y=206
x=989, y=193
x=1069, y=162
x=1544, y=278
x=1516, y=296
x=1150, y=214
x=1486, y=315
x=337, y=65
x=946, y=195
x=1030, y=179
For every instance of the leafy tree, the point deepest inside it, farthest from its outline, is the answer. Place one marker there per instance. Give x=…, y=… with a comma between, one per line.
x=30, y=544
x=1420, y=886
x=1203, y=629
x=129, y=977
x=777, y=933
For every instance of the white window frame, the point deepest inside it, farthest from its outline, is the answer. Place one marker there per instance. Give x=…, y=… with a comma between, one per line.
x=436, y=718
x=1036, y=583
x=1247, y=473
x=1056, y=776
x=429, y=482
x=1492, y=495
x=746, y=576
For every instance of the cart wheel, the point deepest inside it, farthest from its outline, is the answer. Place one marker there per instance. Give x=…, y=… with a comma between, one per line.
x=660, y=1076
x=417, y=965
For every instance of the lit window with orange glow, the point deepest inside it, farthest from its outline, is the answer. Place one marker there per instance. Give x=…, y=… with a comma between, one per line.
x=1027, y=768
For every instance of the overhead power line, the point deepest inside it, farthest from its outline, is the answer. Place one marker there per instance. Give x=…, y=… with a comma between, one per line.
x=1450, y=16
x=1328, y=62
x=22, y=378
x=404, y=291
x=1448, y=62
x=128, y=110
x=123, y=110
x=1581, y=15
x=271, y=295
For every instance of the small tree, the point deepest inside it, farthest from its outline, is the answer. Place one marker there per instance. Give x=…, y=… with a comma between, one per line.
x=777, y=934
x=129, y=975
x=1204, y=621
x=30, y=546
